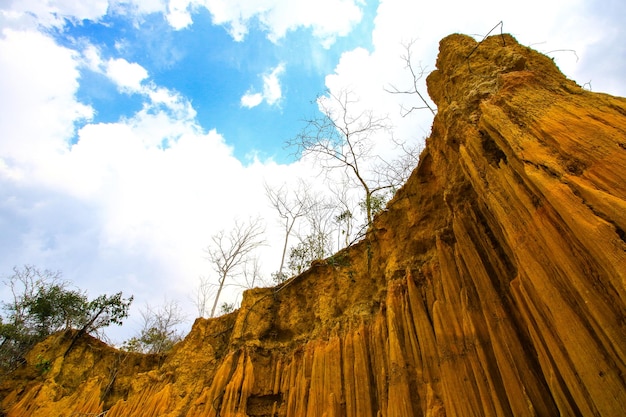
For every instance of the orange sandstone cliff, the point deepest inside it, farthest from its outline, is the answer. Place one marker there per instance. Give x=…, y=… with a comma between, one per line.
x=493, y=285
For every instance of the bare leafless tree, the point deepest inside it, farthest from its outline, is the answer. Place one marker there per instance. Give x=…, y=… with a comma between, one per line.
x=252, y=275
x=202, y=296
x=159, y=330
x=397, y=171
x=344, y=216
x=291, y=206
x=343, y=139
x=417, y=72
x=229, y=251
x=320, y=225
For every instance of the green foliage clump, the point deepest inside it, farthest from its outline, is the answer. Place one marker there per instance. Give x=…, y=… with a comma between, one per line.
x=159, y=333
x=313, y=247
x=377, y=203
x=42, y=304
x=151, y=340
x=279, y=277
x=338, y=260
x=43, y=365
x=227, y=308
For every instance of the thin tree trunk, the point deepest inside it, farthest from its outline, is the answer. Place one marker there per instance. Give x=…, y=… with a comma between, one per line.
x=217, y=296
x=287, y=234
x=282, y=259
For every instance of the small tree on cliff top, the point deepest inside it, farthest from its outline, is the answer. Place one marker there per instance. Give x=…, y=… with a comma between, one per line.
x=159, y=332
x=228, y=252
x=43, y=303
x=344, y=139
x=291, y=206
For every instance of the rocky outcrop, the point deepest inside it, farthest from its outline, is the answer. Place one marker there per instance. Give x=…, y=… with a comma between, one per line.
x=493, y=285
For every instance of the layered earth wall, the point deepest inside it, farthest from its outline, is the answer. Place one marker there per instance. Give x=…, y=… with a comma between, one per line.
x=494, y=284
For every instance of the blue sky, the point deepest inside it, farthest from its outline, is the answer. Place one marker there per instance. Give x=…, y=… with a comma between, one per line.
x=214, y=71
x=131, y=131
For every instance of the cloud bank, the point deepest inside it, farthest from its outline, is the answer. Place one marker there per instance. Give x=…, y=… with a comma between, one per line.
x=130, y=204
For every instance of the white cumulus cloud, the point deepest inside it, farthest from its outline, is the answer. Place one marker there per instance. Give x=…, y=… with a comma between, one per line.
x=272, y=90
x=327, y=19
x=51, y=13
x=127, y=75
x=251, y=99
x=38, y=107
x=179, y=14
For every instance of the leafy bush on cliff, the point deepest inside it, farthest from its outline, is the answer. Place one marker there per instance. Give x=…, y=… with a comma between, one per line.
x=159, y=333
x=42, y=304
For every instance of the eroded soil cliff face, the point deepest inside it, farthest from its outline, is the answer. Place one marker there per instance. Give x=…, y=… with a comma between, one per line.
x=493, y=285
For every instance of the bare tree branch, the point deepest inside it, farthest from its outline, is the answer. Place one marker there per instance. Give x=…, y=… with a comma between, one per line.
x=396, y=172
x=202, y=295
x=159, y=330
x=346, y=216
x=252, y=273
x=417, y=73
x=229, y=251
x=290, y=207
x=341, y=138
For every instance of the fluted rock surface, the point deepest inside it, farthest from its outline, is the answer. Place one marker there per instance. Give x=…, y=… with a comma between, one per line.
x=494, y=284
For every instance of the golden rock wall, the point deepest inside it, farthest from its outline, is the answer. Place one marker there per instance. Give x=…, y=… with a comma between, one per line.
x=494, y=284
